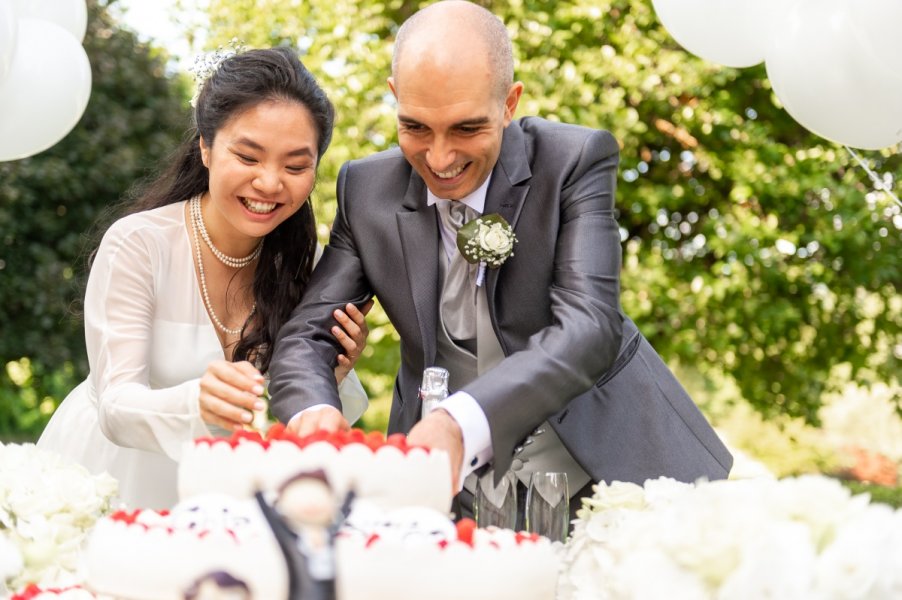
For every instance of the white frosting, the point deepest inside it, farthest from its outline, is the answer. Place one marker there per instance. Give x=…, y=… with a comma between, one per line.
x=410, y=551
x=413, y=553
x=387, y=477
x=159, y=556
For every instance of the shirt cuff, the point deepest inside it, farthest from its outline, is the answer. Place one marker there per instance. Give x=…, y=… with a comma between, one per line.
x=474, y=426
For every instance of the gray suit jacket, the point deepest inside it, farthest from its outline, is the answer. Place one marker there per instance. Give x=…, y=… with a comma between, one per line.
x=571, y=356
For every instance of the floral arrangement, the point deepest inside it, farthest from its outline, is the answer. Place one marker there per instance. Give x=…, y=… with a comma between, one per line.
x=10, y=563
x=488, y=240
x=47, y=506
x=805, y=537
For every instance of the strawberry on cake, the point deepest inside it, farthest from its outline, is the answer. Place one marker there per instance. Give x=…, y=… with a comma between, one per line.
x=385, y=471
x=417, y=553
x=150, y=555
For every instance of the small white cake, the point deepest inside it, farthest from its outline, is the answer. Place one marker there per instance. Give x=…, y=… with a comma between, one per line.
x=149, y=555
x=413, y=554
x=386, y=472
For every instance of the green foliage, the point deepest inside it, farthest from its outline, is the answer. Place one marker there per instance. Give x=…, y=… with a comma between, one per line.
x=752, y=247
x=48, y=202
x=878, y=493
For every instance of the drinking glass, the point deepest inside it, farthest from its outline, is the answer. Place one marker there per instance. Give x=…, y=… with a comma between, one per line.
x=496, y=505
x=548, y=506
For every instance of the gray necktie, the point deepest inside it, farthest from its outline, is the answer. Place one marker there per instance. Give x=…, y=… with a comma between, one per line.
x=458, y=303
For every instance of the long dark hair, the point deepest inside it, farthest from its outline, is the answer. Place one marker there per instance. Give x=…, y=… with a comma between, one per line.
x=241, y=82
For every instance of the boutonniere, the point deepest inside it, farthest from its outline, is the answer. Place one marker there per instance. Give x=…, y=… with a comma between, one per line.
x=488, y=240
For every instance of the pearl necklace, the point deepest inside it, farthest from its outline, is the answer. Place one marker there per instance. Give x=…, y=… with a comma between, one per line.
x=197, y=223
x=230, y=261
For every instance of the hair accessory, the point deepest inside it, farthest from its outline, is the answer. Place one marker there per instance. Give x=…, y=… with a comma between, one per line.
x=207, y=63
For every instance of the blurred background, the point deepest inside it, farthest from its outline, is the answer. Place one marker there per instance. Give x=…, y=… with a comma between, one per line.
x=760, y=260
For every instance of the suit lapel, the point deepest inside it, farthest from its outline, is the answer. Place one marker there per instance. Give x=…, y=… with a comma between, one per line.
x=418, y=231
x=507, y=192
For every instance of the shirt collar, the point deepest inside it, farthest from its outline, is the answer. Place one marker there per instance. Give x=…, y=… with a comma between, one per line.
x=475, y=199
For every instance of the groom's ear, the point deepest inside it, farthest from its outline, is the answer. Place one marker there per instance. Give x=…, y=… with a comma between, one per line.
x=391, y=86
x=511, y=101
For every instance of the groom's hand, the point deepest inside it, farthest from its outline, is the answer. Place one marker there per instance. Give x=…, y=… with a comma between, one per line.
x=319, y=417
x=439, y=430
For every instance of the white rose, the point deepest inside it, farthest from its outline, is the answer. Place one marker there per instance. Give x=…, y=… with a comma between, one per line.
x=855, y=563
x=633, y=579
x=617, y=494
x=776, y=562
x=494, y=239
x=10, y=560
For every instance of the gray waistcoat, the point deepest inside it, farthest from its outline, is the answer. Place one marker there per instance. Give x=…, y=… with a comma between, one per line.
x=542, y=450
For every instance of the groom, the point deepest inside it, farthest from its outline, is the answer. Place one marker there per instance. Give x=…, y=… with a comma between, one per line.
x=549, y=374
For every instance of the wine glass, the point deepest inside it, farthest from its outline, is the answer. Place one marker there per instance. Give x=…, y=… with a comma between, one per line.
x=548, y=506
x=496, y=505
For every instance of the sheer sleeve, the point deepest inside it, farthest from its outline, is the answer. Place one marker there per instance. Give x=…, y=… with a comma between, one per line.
x=119, y=315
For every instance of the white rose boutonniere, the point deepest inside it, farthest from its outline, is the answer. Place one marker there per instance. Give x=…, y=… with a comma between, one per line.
x=488, y=240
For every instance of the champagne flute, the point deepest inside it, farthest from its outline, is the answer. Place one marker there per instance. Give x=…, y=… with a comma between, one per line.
x=548, y=506
x=496, y=505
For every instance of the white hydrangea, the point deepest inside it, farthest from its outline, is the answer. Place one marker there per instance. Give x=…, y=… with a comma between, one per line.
x=805, y=537
x=47, y=506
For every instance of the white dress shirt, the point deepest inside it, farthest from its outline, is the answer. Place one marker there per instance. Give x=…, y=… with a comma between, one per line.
x=462, y=407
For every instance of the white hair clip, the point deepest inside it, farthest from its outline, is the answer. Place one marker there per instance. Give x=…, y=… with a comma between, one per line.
x=207, y=63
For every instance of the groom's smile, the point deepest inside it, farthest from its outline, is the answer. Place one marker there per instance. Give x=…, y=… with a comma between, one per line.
x=451, y=114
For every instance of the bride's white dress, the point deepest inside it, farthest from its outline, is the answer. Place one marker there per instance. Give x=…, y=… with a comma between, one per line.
x=149, y=340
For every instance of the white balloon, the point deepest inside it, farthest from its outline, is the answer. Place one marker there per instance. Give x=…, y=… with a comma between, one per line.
x=72, y=15
x=828, y=68
x=9, y=26
x=875, y=24
x=46, y=91
x=735, y=33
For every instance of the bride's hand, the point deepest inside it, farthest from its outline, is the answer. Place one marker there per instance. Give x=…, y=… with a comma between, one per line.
x=229, y=393
x=351, y=335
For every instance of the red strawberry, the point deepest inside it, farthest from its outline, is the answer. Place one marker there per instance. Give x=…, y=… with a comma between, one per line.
x=375, y=440
x=275, y=431
x=465, y=529
x=125, y=516
x=522, y=536
x=244, y=435
x=399, y=441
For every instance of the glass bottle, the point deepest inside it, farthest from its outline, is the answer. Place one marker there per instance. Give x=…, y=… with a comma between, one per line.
x=434, y=388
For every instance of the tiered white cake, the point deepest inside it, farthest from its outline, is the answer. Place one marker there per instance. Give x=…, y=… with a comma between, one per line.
x=397, y=544
x=386, y=472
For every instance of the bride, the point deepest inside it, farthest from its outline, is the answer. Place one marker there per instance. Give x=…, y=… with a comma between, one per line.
x=187, y=293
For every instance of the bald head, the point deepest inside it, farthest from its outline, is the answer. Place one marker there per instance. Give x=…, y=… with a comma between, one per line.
x=453, y=35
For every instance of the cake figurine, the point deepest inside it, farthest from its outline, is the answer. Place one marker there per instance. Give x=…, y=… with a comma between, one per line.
x=305, y=518
x=218, y=585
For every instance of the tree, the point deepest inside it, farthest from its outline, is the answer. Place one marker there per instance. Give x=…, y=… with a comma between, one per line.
x=136, y=114
x=751, y=247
